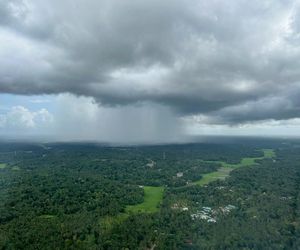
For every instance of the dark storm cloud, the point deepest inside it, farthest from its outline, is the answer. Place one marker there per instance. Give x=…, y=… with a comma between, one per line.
x=232, y=61
x=282, y=107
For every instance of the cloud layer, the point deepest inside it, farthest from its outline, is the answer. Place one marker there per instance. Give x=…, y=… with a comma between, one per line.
x=226, y=62
x=19, y=118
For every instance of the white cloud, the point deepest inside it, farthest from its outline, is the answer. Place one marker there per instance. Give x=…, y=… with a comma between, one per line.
x=21, y=118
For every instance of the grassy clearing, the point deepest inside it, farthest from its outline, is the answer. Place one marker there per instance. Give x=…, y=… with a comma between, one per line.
x=248, y=161
x=2, y=165
x=15, y=168
x=222, y=173
x=243, y=163
x=226, y=168
x=47, y=216
x=269, y=153
x=152, y=198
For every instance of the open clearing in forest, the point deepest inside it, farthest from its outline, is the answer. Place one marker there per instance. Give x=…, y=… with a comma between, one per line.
x=15, y=168
x=226, y=168
x=2, y=165
x=269, y=153
x=248, y=161
x=222, y=173
x=152, y=198
x=47, y=216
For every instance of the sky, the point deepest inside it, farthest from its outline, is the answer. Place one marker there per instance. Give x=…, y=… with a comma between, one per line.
x=149, y=71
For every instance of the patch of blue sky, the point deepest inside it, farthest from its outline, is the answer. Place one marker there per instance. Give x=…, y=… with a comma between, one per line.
x=33, y=103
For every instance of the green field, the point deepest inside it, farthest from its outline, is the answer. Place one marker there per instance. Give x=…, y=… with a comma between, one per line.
x=244, y=163
x=269, y=153
x=152, y=198
x=2, y=165
x=222, y=173
x=226, y=168
x=47, y=216
x=15, y=168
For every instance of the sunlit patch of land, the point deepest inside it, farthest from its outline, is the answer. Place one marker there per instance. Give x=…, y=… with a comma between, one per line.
x=47, y=216
x=15, y=168
x=152, y=198
x=269, y=153
x=222, y=173
x=2, y=165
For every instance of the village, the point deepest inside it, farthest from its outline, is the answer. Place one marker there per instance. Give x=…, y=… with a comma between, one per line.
x=211, y=215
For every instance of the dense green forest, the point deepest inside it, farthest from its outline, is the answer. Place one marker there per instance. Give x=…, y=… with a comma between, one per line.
x=93, y=196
